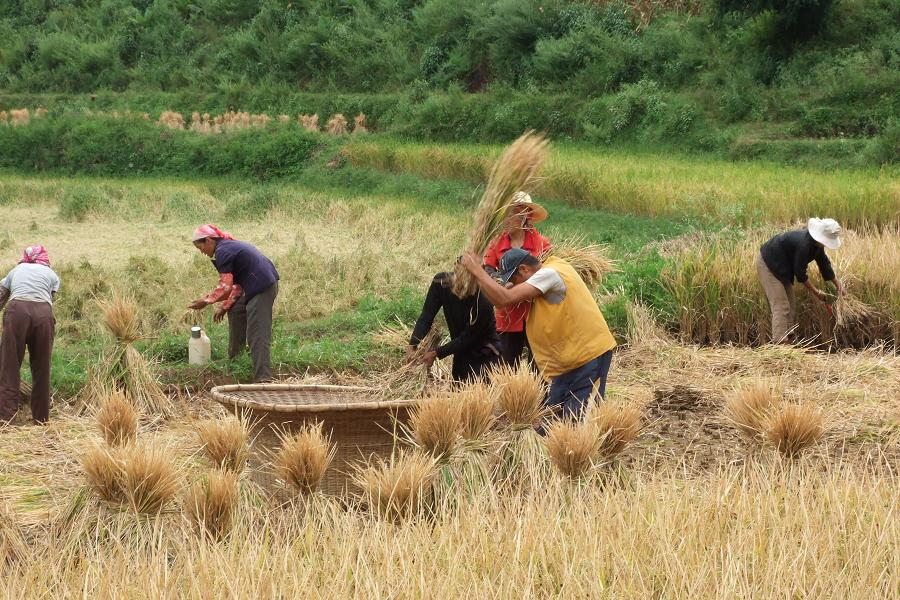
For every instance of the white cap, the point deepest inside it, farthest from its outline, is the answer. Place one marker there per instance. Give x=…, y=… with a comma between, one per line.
x=825, y=231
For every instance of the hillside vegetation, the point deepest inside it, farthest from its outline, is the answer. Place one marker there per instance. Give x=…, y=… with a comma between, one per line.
x=764, y=78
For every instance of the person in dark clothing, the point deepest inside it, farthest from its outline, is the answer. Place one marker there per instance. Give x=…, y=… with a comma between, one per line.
x=473, y=334
x=785, y=259
x=248, y=285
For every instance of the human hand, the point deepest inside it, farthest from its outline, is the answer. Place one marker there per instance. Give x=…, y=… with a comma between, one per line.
x=429, y=358
x=471, y=261
x=410, y=353
x=198, y=304
x=219, y=315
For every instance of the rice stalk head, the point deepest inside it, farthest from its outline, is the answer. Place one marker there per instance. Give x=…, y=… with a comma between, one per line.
x=120, y=315
x=590, y=261
x=304, y=457
x=116, y=418
x=104, y=470
x=477, y=405
x=436, y=425
x=520, y=394
x=399, y=487
x=225, y=442
x=750, y=406
x=617, y=425
x=573, y=447
x=149, y=477
x=795, y=428
x=210, y=504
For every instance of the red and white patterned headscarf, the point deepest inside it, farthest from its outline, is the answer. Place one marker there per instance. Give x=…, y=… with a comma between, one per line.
x=36, y=254
x=210, y=231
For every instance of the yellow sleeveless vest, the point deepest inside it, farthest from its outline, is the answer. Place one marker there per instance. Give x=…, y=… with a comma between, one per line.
x=567, y=335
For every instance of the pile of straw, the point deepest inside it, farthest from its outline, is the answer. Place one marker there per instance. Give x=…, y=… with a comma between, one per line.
x=122, y=367
x=515, y=170
x=411, y=378
x=359, y=126
x=337, y=125
x=309, y=122
x=590, y=261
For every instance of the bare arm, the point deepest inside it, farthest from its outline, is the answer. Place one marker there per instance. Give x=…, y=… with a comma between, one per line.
x=499, y=296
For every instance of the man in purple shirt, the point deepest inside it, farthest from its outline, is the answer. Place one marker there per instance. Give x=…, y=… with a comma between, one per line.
x=248, y=285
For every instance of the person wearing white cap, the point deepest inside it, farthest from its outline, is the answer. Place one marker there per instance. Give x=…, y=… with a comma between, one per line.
x=785, y=258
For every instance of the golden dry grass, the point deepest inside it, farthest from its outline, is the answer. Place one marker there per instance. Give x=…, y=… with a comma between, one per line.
x=210, y=504
x=303, y=458
x=477, y=406
x=617, y=425
x=120, y=315
x=104, y=469
x=225, y=442
x=337, y=125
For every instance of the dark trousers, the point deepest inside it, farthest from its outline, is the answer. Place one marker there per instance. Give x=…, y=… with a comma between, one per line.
x=570, y=391
x=470, y=365
x=26, y=325
x=512, y=343
x=250, y=323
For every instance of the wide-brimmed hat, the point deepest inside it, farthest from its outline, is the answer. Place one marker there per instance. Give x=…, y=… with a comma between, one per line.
x=538, y=212
x=825, y=231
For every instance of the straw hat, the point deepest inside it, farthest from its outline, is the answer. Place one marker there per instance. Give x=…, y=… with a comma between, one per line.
x=538, y=212
x=825, y=231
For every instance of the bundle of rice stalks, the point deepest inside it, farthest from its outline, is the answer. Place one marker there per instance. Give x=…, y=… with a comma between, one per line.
x=171, y=120
x=210, y=504
x=795, y=428
x=104, y=469
x=436, y=425
x=284, y=119
x=520, y=394
x=514, y=171
x=123, y=367
x=225, y=442
x=19, y=116
x=117, y=419
x=150, y=479
x=309, y=122
x=4, y=117
x=359, y=126
x=399, y=487
x=617, y=425
x=859, y=325
x=573, y=447
x=477, y=403
x=337, y=125
x=750, y=406
x=589, y=260
x=411, y=378
x=304, y=457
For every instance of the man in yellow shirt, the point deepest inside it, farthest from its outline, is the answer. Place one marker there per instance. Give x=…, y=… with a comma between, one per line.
x=569, y=338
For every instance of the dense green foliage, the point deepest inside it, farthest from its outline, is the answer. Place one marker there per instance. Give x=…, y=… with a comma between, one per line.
x=705, y=74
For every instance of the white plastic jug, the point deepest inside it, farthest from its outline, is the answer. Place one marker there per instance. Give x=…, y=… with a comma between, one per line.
x=198, y=347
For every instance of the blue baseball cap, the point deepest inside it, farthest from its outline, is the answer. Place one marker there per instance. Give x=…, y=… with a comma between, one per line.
x=511, y=260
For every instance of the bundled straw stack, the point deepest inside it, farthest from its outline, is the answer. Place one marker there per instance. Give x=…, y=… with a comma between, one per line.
x=515, y=170
x=589, y=260
x=123, y=367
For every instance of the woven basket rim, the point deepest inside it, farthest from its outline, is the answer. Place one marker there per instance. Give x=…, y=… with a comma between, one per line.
x=222, y=394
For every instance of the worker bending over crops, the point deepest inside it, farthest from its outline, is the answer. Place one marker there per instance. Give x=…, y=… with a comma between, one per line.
x=571, y=342
x=29, y=289
x=473, y=333
x=785, y=258
x=248, y=285
x=519, y=232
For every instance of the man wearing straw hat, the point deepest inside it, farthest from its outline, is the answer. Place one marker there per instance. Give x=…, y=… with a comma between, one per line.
x=248, y=285
x=519, y=232
x=784, y=259
x=569, y=338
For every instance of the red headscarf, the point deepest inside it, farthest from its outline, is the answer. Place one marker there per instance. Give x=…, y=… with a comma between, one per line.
x=211, y=231
x=36, y=254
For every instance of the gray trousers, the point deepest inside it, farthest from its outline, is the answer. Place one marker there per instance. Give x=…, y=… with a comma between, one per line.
x=250, y=323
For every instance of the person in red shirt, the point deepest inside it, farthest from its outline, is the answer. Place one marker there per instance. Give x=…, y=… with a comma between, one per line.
x=519, y=232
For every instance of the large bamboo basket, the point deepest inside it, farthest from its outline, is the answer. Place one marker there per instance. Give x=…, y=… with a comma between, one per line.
x=359, y=425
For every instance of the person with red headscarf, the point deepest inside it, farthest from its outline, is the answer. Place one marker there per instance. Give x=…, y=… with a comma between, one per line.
x=27, y=292
x=248, y=285
x=519, y=232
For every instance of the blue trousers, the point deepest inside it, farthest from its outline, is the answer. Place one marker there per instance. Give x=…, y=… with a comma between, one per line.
x=570, y=391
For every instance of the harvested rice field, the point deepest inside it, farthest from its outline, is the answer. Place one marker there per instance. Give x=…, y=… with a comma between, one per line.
x=720, y=466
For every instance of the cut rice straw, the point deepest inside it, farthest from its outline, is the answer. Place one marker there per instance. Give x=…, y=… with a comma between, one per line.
x=589, y=260
x=515, y=170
